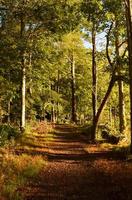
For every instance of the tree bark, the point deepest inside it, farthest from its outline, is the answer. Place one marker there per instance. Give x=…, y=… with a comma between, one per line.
x=110, y=116
x=23, y=79
x=120, y=84
x=9, y=111
x=23, y=85
x=9, y=102
x=128, y=5
x=111, y=84
x=73, y=82
x=94, y=78
x=53, y=113
x=122, y=122
x=58, y=80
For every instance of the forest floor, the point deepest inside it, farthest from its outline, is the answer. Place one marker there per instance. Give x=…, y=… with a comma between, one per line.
x=77, y=170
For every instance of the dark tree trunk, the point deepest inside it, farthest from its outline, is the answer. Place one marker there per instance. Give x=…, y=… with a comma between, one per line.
x=9, y=111
x=53, y=119
x=128, y=5
x=9, y=102
x=111, y=84
x=122, y=123
x=94, y=79
x=120, y=84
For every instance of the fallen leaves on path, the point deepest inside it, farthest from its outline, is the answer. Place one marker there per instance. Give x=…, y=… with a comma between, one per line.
x=76, y=171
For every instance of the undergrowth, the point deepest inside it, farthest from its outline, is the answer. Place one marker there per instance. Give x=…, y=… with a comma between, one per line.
x=7, y=133
x=15, y=171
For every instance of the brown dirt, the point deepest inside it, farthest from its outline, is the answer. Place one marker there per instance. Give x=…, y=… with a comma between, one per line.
x=74, y=174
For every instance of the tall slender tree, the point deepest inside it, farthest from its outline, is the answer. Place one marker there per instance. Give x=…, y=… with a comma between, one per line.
x=128, y=7
x=94, y=76
x=73, y=89
x=122, y=124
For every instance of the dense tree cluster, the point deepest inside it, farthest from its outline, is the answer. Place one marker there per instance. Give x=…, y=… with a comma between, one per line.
x=48, y=73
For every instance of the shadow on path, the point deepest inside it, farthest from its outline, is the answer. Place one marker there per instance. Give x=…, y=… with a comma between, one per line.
x=75, y=174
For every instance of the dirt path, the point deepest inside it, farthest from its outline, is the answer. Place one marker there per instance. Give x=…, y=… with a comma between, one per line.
x=74, y=174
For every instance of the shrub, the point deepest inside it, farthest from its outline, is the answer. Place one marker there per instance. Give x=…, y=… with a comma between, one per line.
x=7, y=132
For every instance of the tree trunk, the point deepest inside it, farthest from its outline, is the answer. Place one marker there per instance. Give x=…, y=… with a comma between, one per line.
x=9, y=102
x=23, y=96
x=57, y=112
x=74, y=119
x=128, y=5
x=110, y=116
x=94, y=79
x=53, y=119
x=23, y=79
x=120, y=84
x=122, y=122
x=111, y=84
x=9, y=111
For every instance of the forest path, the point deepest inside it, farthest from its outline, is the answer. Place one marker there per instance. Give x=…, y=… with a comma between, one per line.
x=75, y=174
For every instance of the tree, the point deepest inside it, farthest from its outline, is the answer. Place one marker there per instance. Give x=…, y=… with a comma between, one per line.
x=128, y=5
x=122, y=124
x=115, y=65
x=93, y=11
x=74, y=51
x=118, y=39
x=28, y=20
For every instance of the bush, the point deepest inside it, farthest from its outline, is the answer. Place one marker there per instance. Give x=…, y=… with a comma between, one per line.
x=110, y=138
x=7, y=132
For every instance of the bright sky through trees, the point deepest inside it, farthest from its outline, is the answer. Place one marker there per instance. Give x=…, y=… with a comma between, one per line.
x=100, y=42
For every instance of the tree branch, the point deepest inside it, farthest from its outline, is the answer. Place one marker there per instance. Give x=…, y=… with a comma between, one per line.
x=125, y=41
x=107, y=45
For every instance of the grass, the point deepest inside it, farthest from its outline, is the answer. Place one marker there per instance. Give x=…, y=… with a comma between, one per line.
x=18, y=170
x=36, y=131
